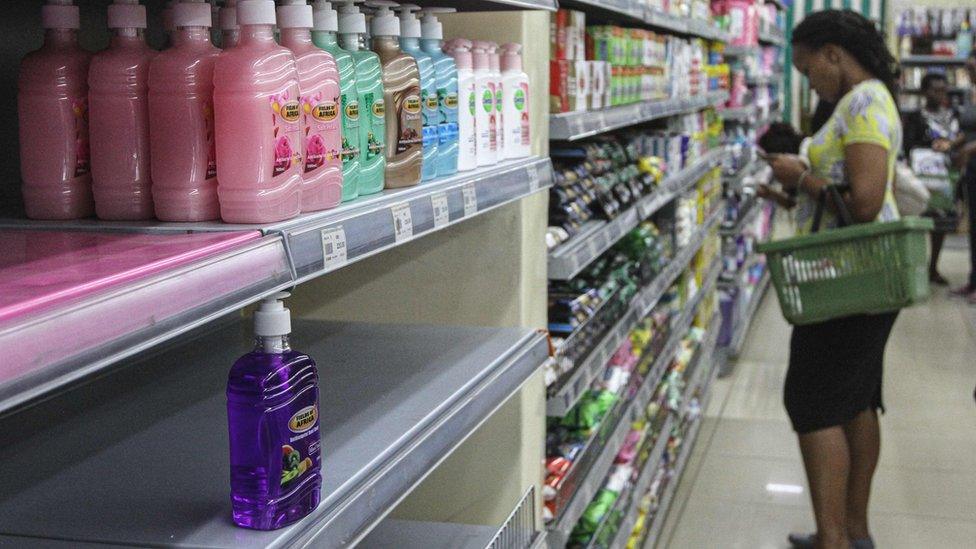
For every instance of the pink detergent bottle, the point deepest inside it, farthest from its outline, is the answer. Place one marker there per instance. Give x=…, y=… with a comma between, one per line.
x=52, y=107
x=184, y=156
x=118, y=82
x=259, y=123
x=318, y=84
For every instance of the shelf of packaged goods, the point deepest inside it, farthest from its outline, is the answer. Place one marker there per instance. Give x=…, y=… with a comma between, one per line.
x=632, y=9
x=495, y=5
x=138, y=463
x=765, y=79
x=734, y=50
x=738, y=114
x=734, y=181
x=579, y=381
x=772, y=35
x=932, y=60
x=639, y=12
x=566, y=261
x=572, y=126
x=742, y=327
x=593, y=478
x=752, y=212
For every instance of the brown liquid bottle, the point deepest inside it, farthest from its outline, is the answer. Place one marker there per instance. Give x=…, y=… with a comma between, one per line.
x=401, y=92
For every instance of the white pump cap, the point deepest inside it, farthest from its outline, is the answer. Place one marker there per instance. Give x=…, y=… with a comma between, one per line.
x=196, y=14
x=409, y=24
x=385, y=22
x=256, y=12
x=126, y=14
x=272, y=318
x=324, y=18
x=228, y=16
x=60, y=14
x=294, y=14
x=430, y=27
x=351, y=20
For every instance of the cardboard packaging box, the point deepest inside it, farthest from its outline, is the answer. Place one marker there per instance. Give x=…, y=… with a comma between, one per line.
x=580, y=93
x=559, y=83
x=598, y=84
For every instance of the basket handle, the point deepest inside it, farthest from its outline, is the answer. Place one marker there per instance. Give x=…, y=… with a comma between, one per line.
x=843, y=215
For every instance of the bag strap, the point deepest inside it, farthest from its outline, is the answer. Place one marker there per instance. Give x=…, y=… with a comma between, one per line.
x=843, y=215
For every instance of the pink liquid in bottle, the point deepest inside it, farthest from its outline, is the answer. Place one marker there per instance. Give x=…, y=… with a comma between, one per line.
x=318, y=83
x=184, y=156
x=52, y=107
x=118, y=82
x=259, y=123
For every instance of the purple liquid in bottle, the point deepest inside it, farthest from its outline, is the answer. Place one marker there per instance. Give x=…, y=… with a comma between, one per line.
x=275, y=446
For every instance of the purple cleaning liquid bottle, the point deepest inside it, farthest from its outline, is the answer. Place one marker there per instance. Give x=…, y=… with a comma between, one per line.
x=273, y=417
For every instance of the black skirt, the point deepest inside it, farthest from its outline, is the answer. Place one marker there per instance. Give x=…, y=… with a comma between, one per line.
x=835, y=370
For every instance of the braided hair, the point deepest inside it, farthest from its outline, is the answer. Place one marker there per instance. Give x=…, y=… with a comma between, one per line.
x=856, y=34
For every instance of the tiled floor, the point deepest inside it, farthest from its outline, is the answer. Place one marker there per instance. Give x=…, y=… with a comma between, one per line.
x=745, y=485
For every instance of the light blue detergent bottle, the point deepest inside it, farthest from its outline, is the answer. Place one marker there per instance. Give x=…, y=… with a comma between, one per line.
x=446, y=76
x=410, y=44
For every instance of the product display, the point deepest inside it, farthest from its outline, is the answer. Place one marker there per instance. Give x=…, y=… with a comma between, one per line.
x=430, y=106
x=446, y=81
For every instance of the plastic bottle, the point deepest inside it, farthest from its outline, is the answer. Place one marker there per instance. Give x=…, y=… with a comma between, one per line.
x=118, y=82
x=167, y=16
x=230, y=31
x=445, y=73
x=430, y=107
x=494, y=67
x=259, y=123
x=52, y=108
x=372, y=107
x=273, y=423
x=468, y=106
x=401, y=90
x=326, y=24
x=318, y=83
x=515, y=122
x=485, y=118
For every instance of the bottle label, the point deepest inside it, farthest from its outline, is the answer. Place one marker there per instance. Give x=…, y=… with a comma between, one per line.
x=376, y=109
x=523, y=109
x=302, y=452
x=498, y=98
x=431, y=117
x=472, y=103
x=488, y=102
x=411, y=122
x=447, y=129
x=350, y=129
x=287, y=114
x=79, y=106
x=321, y=131
x=208, y=120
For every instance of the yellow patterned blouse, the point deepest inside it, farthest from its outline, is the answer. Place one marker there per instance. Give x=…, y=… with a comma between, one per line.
x=866, y=114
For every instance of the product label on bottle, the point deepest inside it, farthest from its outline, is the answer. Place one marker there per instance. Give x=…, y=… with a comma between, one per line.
x=472, y=103
x=447, y=130
x=498, y=99
x=431, y=117
x=411, y=122
x=302, y=453
x=321, y=130
x=350, y=129
x=375, y=109
x=208, y=120
x=286, y=115
x=488, y=102
x=523, y=109
x=79, y=106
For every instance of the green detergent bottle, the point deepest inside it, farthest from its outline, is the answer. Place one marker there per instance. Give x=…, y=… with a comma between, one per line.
x=372, y=109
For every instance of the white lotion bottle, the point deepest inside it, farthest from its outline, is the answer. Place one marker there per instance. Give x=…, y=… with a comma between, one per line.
x=469, y=104
x=485, y=118
x=515, y=110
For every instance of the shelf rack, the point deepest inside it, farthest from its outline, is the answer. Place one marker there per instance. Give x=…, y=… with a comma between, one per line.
x=636, y=11
x=566, y=261
x=931, y=60
x=752, y=212
x=572, y=126
x=740, y=331
x=148, y=466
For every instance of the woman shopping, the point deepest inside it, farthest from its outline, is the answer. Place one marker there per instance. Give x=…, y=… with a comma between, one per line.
x=833, y=384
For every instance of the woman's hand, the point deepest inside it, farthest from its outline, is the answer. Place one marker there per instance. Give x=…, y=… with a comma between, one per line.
x=787, y=169
x=941, y=145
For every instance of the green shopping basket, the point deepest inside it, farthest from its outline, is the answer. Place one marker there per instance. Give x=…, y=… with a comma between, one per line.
x=866, y=268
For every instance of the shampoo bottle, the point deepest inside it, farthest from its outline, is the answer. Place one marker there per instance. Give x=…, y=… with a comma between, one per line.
x=495, y=68
x=118, y=83
x=259, y=123
x=401, y=90
x=273, y=421
x=468, y=105
x=446, y=75
x=485, y=118
x=326, y=25
x=430, y=108
x=230, y=31
x=184, y=156
x=515, y=121
x=372, y=108
x=318, y=84
x=52, y=109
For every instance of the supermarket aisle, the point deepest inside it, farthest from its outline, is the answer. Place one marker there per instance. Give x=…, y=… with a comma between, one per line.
x=745, y=486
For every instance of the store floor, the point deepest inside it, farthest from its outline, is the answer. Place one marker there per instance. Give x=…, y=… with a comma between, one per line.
x=745, y=485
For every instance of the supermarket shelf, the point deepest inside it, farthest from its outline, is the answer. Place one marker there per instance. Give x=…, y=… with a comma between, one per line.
x=739, y=114
x=771, y=35
x=579, y=382
x=639, y=11
x=932, y=60
x=742, y=329
x=740, y=51
x=765, y=79
x=773, y=116
x=735, y=180
x=632, y=9
x=493, y=5
x=755, y=208
x=572, y=126
x=145, y=464
x=566, y=261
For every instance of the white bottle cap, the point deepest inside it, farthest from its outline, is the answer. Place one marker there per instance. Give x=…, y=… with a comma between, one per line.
x=272, y=318
x=430, y=27
x=126, y=14
x=385, y=22
x=228, y=16
x=324, y=18
x=409, y=24
x=294, y=14
x=351, y=20
x=256, y=12
x=60, y=14
x=192, y=15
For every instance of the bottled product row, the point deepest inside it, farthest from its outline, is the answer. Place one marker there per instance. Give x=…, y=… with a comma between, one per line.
x=258, y=132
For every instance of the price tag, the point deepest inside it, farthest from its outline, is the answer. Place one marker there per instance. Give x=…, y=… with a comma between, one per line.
x=470, y=196
x=402, y=222
x=442, y=214
x=333, y=247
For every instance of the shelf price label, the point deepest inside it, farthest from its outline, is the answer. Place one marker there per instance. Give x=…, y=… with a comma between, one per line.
x=402, y=222
x=470, y=196
x=442, y=213
x=333, y=247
